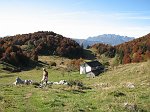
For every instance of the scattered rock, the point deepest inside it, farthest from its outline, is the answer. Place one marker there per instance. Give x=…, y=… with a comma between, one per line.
x=20, y=81
x=61, y=82
x=102, y=85
x=49, y=83
x=131, y=107
x=56, y=83
x=27, y=82
x=130, y=85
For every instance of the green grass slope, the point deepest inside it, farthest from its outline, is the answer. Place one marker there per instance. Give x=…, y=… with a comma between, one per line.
x=109, y=92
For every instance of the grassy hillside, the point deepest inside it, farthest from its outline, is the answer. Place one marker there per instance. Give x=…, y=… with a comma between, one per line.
x=106, y=93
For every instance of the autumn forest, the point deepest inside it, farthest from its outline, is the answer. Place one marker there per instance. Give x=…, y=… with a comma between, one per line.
x=137, y=50
x=22, y=50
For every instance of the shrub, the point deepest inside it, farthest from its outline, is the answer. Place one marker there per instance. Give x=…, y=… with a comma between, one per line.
x=75, y=83
x=52, y=63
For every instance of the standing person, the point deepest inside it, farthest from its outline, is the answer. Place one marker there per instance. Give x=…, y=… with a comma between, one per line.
x=45, y=76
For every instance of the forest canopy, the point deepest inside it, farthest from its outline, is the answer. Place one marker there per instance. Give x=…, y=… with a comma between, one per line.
x=20, y=49
x=137, y=50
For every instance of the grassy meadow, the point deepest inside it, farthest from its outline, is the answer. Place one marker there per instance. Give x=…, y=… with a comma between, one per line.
x=105, y=93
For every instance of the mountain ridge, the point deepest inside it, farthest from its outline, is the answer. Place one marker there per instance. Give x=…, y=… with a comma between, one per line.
x=137, y=50
x=111, y=39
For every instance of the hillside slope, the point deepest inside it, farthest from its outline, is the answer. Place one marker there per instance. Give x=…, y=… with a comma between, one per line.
x=137, y=50
x=19, y=49
x=128, y=83
x=122, y=89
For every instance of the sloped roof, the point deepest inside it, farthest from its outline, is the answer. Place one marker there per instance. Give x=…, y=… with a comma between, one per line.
x=96, y=72
x=94, y=63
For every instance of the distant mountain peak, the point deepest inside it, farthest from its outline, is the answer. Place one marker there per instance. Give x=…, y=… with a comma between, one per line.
x=111, y=39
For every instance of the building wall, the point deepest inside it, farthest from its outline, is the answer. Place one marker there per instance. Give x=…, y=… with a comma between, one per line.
x=84, y=69
x=88, y=68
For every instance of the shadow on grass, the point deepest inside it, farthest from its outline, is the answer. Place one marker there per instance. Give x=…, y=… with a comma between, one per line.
x=55, y=103
x=117, y=94
x=6, y=67
x=6, y=76
x=34, y=65
x=1, y=98
x=77, y=91
x=88, y=55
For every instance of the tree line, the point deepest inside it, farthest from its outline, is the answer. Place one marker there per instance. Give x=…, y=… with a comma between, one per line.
x=137, y=50
x=19, y=50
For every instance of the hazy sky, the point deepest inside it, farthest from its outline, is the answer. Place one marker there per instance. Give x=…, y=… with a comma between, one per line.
x=75, y=18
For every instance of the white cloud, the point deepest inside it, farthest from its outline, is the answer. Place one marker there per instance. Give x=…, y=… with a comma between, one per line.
x=74, y=24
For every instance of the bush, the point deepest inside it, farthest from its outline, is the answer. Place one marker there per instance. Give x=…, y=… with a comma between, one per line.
x=52, y=63
x=75, y=83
